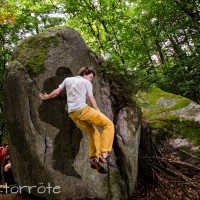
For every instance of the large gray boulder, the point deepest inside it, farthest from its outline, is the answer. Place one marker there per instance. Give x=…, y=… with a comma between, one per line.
x=47, y=149
x=173, y=122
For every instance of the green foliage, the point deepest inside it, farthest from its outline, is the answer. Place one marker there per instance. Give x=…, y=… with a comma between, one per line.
x=182, y=78
x=147, y=41
x=130, y=34
x=123, y=88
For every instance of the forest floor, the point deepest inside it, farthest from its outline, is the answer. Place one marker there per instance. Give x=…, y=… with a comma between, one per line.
x=164, y=177
x=170, y=189
x=161, y=177
x=17, y=197
x=149, y=188
x=145, y=190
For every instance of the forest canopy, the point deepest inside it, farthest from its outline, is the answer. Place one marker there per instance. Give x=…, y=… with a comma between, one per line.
x=150, y=42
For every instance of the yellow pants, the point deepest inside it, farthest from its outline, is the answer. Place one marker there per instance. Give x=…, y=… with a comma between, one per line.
x=87, y=119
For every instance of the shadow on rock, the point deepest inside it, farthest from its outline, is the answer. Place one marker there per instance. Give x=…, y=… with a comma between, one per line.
x=67, y=142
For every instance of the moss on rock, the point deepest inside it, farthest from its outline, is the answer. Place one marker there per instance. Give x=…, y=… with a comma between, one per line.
x=190, y=130
x=33, y=50
x=166, y=120
x=152, y=109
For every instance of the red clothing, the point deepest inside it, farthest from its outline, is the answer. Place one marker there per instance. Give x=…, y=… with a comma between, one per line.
x=1, y=155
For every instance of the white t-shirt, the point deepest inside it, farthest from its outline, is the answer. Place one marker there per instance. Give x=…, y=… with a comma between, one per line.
x=76, y=89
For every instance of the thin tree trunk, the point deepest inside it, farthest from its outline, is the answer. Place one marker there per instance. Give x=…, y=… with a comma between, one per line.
x=193, y=14
x=178, y=51
x=160, y=57
x=97, y=36
x=117, y=50
x=36, y=24
x=146, y=47
x=187, y=40
x=99, y=41
x=2, y=125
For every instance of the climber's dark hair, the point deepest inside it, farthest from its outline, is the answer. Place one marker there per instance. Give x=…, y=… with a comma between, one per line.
x=86, y=70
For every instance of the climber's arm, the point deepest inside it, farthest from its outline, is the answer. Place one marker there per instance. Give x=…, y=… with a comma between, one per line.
x=93, y=102
x=45, y=96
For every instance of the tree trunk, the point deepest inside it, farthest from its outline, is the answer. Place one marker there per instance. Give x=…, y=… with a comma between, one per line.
x=160, y=54
x=97, y=36
x=146, y=47
x=177, y=50
x=194, y=14
x=3, y=65
x=115, y=45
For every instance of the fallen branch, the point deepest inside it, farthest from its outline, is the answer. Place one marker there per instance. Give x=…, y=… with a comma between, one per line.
x=162, y=165
x=189, y=154
x=184, y=164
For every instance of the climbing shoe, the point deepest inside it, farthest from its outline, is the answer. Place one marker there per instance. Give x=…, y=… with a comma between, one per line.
x=96, y=165
x=108, y=161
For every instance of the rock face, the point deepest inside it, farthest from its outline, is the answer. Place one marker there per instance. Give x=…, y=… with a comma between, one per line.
x=48, y=152
x=173, y=122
